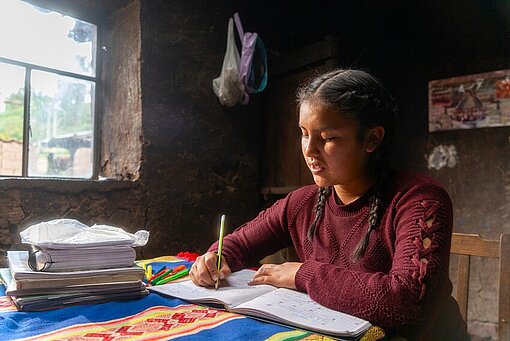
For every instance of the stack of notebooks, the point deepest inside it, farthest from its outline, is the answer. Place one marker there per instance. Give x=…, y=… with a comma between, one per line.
x=70, y=263
x=43, y=290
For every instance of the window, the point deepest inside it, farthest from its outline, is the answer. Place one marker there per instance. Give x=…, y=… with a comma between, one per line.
x=47, y=92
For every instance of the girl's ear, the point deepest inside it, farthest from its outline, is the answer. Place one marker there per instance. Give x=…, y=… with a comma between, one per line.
x=374, y=137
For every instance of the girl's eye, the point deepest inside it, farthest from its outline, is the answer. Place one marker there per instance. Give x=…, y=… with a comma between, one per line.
x=329, y=138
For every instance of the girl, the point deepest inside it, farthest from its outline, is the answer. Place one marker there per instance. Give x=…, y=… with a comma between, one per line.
x=371, y=242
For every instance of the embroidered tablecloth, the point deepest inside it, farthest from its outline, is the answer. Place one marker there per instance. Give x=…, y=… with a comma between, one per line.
x=150, y=318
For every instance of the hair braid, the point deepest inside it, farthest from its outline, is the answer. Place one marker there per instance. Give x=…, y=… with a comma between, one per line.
x=376, y=207
x=319, y=209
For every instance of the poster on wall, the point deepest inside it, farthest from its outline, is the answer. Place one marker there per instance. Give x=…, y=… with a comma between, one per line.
x=473, y=101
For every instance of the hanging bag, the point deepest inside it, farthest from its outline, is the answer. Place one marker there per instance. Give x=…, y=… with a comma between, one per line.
x=228, y=86
x=253, y=65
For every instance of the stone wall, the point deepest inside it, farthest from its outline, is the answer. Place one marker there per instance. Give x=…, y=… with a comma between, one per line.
x=25, y=202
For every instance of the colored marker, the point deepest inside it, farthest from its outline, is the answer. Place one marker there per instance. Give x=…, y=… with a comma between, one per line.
x=158, y=273
x=178, y=268
x=174, y=271
x=160, y=276
x=180, y=274
x=149, y=272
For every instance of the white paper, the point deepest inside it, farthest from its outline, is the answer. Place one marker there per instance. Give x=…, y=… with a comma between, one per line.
x=232, y=291
x=297, y=308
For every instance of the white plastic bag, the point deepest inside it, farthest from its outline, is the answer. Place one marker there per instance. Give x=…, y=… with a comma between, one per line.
x=68, y=233
x=228, y=86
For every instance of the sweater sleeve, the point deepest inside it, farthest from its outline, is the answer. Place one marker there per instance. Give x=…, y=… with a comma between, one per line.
x=419, y=225
x=262, y=236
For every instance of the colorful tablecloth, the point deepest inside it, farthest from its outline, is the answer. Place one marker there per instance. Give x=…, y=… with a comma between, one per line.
x=150, y=318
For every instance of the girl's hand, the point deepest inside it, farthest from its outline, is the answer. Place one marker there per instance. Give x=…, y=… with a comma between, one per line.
x=204, y=272
x=278, y=275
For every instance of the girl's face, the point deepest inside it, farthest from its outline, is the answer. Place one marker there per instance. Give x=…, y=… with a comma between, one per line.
x=332, y=148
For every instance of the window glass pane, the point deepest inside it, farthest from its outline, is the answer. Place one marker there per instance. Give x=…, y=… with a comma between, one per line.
x=61, y=126
x=12, y=79
x=34, y=35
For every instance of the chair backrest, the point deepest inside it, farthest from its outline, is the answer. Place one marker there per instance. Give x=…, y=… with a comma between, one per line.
x=472, y=245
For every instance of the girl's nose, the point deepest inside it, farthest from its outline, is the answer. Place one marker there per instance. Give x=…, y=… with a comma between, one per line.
x=310, y=148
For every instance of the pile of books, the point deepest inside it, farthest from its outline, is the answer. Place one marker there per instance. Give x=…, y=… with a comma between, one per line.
x=43, y=290
x=83, y=266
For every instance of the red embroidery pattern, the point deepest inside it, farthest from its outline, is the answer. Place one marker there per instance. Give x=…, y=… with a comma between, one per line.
x=155, y=323
x=6, y=304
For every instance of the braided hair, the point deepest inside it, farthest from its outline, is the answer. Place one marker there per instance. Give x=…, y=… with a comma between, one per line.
x=376, y=208
x=319, y=208
x=359, y=96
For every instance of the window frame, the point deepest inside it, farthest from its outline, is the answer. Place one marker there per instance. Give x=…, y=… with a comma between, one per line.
x=96, y=79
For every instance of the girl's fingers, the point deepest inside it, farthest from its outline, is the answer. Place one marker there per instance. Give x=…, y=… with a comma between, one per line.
x=225, y=269
x=278, y=275
x=262, y=276
x=204, y=272
x=199, y=273
x=211, y=262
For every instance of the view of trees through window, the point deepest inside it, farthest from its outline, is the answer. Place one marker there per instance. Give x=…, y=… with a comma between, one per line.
x=47, y=79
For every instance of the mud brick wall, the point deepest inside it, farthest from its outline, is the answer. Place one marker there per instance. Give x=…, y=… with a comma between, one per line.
x=27, y=202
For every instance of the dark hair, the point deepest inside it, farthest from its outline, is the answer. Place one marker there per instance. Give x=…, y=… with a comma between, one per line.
x=363, y=98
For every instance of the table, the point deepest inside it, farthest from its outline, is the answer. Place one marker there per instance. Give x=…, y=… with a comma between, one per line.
x=153, y=317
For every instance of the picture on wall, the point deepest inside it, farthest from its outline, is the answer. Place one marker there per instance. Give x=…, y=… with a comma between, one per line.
x=473, y=101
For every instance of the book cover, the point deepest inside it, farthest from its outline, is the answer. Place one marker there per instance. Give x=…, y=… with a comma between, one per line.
x=26, y=278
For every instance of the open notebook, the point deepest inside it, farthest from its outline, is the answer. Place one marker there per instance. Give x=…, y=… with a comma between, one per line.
x=279, y=305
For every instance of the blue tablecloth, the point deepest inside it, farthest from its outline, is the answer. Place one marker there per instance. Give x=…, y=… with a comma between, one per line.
x=150, y=318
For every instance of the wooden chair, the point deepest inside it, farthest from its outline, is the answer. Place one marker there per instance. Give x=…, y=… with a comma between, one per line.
x=469, y=245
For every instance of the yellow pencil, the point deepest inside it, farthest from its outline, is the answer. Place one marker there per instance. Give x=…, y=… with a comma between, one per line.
x=220, y=247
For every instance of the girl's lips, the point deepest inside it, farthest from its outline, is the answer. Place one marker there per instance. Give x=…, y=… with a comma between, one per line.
x=315, y=168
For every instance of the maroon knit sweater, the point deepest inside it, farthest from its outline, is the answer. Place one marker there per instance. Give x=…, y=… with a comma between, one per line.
x=401, y=284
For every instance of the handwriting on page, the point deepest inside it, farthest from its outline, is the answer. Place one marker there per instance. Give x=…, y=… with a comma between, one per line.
x=296, y=306
x=185, y=290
